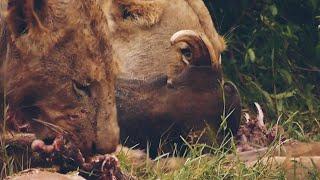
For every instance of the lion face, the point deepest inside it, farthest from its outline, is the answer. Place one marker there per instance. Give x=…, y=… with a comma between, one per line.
x=59, y=71
x=171, y=75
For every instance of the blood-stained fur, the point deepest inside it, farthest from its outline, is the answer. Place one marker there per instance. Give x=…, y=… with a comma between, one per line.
x=59, y=72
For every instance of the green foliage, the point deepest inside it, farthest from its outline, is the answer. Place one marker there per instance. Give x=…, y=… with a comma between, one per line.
x=273, y=54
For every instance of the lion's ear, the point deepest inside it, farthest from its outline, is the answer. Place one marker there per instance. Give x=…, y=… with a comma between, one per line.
x=23, y=15
x=223, y=44
x=142, y=12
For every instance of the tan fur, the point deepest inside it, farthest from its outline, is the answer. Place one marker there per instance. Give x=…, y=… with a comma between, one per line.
x=297, y=156
x=142, y=13
x=297, y=159
x=141, y=46
x=138, y=159
x=299, y=168
x=40, y=174
x=148, y=62
x=141, y=41
x=61, y=67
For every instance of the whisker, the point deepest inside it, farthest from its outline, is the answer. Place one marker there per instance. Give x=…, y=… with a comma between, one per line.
x=227, y=34
x=53, y=127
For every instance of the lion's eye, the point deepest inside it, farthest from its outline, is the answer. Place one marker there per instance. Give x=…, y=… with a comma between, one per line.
x=81, y=90
x=125, y=13
x=186, y=55
x=186, y=52
x=23, y=16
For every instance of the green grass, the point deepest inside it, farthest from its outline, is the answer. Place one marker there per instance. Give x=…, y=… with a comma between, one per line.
x=217, y=165
x=273, y=57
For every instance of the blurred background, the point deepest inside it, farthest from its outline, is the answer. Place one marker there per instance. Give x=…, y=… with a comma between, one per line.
x=274, y=57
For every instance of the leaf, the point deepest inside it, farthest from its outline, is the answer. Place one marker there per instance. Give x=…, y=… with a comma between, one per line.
x=274, y=10
x=252, y=55
x=280, y=107
x=286, y=76
x=284, y=95
x=309, y=97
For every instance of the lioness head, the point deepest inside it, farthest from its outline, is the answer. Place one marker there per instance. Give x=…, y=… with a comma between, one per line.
x=171, y=87
x=59, y=72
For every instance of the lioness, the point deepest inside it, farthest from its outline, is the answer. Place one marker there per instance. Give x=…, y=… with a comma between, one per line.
x=173, y=92
x=59, y=72
x=168, y=89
